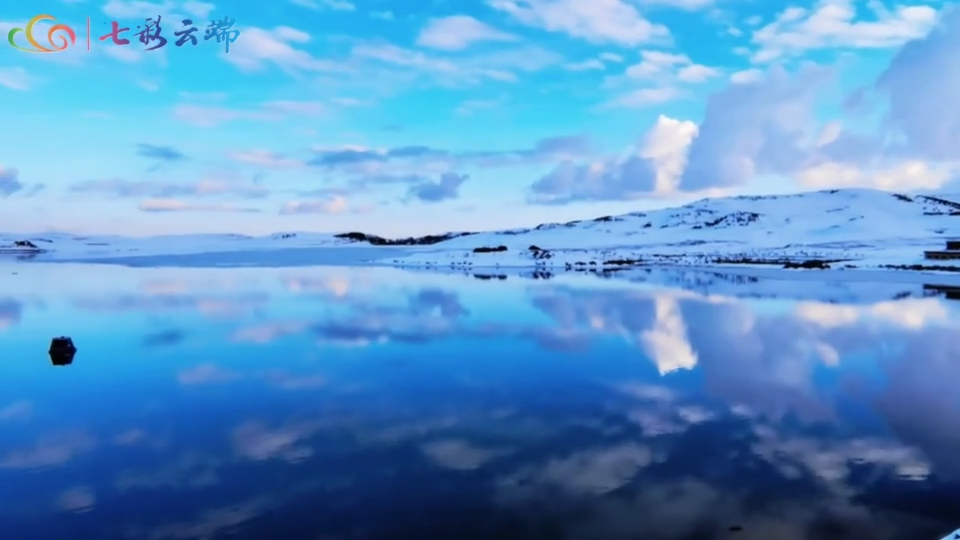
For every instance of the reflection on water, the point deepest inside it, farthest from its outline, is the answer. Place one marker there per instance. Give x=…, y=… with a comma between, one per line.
x=341, y=403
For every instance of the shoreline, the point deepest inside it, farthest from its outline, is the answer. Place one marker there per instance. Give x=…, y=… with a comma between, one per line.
x=397, y=258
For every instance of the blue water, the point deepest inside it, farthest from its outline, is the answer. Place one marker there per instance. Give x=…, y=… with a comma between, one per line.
x=351, y=403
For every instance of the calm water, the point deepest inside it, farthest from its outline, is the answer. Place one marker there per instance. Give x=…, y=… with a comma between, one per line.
x=339, y=403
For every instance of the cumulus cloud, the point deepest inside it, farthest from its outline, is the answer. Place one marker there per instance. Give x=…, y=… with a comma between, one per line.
x=755, y=128
x=652, y=167
x=765, y=122
x=458, y=32
x=923, y=77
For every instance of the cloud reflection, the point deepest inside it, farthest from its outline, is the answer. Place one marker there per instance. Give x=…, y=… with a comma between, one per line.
x=49, y=451
x=671, y=415
x=11, y=311
x=77, y=500
x=19, y=410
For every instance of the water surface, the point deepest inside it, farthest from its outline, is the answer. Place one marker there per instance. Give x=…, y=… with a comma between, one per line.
x=350, y=403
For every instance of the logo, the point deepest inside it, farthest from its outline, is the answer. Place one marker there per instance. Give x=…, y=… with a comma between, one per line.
x=66, y=39
x=61, y=37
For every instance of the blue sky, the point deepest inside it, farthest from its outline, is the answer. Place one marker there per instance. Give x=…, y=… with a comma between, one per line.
x=418, y=117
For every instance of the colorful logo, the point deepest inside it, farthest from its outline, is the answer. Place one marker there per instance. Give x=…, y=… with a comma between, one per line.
x=61, y=37
x=62, y=43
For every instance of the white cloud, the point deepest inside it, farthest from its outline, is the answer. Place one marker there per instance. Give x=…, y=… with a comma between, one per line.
x=666, y=342
x=645, y=97
x=667, y=144
x=911, y=314
x=260, y=47
x=499, y=66
x=755, y=128
x=904, y=175
x=586, y=65
x=697, y=73
x=176, y=205
x=263, y=158
x=597, y=21
x=15, y=78
x=458, y=32
x=459, y=455
x=746, y=76
x=333, y=205
x=652, y=167
x=660, y=72
x=668, y=66
x=834, y=24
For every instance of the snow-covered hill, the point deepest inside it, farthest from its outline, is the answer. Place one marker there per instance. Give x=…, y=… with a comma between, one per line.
x=859, y=227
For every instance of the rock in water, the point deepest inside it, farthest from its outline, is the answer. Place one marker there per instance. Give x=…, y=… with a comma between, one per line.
x=62, y=351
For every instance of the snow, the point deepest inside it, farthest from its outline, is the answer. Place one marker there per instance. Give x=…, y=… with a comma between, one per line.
x=865, y=229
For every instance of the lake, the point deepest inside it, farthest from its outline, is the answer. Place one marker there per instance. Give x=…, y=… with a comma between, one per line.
x=371, y=403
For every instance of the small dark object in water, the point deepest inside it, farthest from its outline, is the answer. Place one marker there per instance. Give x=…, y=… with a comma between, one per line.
x=62, y=351
x=735, y=528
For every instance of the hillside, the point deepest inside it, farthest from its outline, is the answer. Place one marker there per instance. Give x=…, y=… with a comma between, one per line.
x=858, y=226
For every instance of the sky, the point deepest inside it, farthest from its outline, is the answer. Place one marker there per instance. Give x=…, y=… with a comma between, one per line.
x=409, y=118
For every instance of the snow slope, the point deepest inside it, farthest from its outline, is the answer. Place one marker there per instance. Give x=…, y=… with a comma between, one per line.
x=864, y=228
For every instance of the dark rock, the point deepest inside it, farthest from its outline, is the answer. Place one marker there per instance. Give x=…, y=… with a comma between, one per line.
x=62, y=351
x=489, y=249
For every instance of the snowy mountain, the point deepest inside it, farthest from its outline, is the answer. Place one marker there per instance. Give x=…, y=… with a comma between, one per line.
x=859, y=227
